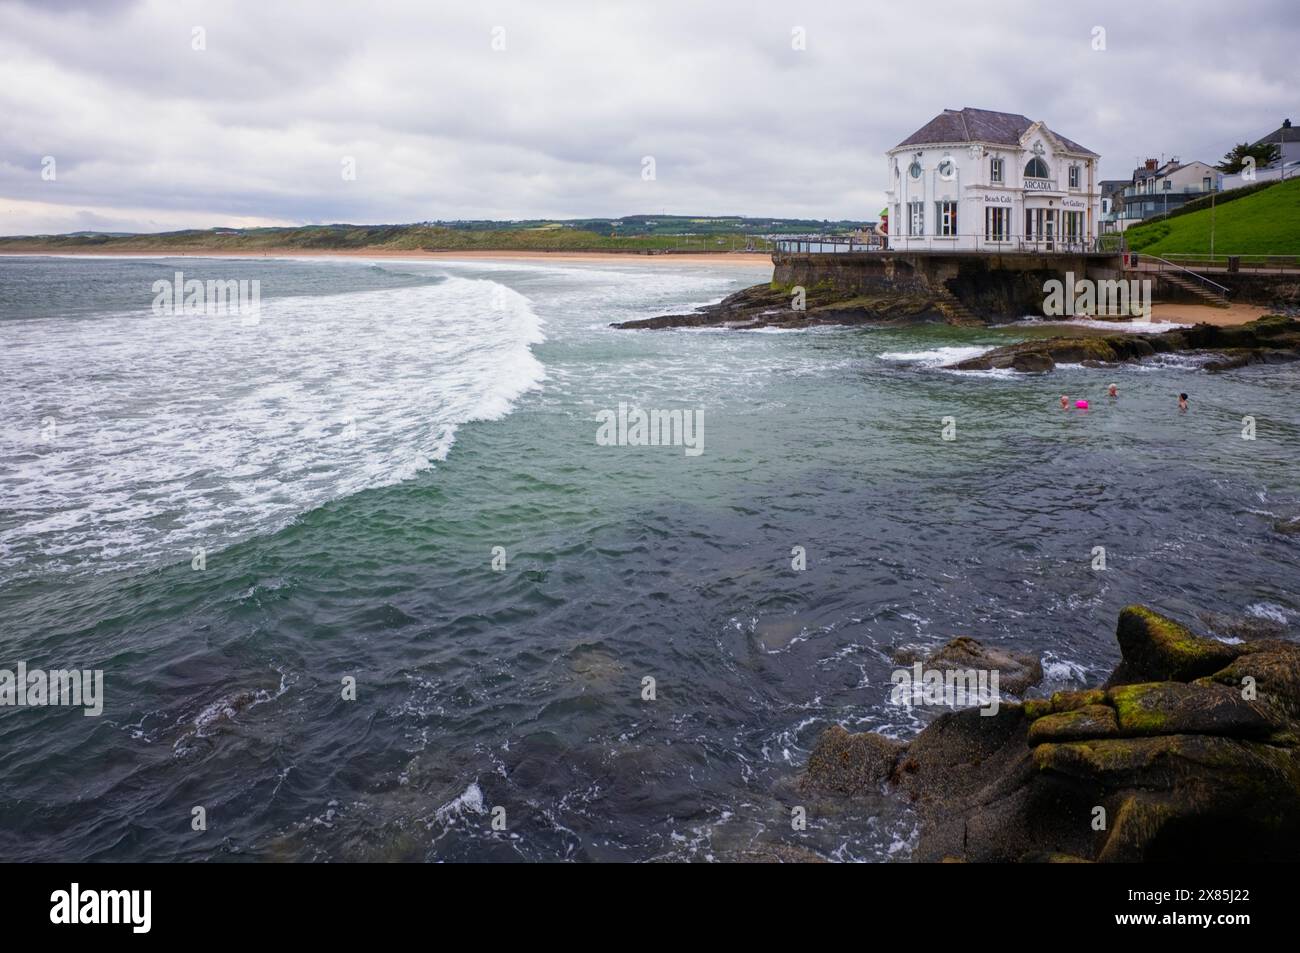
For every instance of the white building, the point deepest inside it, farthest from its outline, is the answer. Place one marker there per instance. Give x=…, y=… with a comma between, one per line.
x=1158, y=189
x=977, y=180
x=1287, y=140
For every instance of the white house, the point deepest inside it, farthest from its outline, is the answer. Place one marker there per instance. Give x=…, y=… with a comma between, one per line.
x=978, y=180
x=1287, y=139
x=1156, y=189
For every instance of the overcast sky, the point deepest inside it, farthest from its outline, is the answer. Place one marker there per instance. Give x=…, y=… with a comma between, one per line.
x=149, y=133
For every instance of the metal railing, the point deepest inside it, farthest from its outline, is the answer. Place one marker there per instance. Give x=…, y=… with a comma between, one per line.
x=1161, y=264
x=824, y=245
x=957, y=244
x=1281, y=264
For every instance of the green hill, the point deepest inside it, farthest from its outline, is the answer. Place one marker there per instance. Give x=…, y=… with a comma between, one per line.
x=633, y=233
x=1266, y=222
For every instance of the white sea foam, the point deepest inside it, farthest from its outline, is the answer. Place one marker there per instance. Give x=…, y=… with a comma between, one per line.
x=1267, y=610
x=468, y=801
x=170, y=433
x=1134, y=326
x=1057, y=669
x=938, y=357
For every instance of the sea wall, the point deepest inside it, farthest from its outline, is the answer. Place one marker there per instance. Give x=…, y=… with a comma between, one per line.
x=1278, y=291
x=988, y=286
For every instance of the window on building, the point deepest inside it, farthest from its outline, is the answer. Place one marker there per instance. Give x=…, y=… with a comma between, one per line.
x=995, y=170
x=1073, y=225
x=1037, y=168
x=945, y=219
x=1169, y=185
x=916, y=218
x=1205, y=184
x=997, y=224
x=1074, y=176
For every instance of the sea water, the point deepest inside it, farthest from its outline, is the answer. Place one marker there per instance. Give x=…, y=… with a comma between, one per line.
x=392, y=480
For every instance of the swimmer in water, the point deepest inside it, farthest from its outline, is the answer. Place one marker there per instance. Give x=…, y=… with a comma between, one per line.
x=1065, y=402
x=1182, y=403
x=1112, y=391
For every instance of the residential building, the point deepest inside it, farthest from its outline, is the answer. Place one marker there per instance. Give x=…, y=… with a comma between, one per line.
x=1287, y=140
x=1157, y=188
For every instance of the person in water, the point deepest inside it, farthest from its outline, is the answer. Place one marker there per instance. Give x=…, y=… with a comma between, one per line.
x=1182, y=403
x=1065, y=402
x=1112, y=391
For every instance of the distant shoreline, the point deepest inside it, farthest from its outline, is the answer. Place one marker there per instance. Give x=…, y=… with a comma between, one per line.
x=746, y=259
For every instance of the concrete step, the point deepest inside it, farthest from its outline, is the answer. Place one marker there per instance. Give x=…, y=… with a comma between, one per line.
x=951, y=305
x=1208, y=295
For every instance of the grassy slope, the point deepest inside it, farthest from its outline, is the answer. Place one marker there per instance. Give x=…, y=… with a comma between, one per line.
x=1264, y=223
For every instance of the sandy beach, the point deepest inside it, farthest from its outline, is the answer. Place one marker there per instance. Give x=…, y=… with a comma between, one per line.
x=1208, y=314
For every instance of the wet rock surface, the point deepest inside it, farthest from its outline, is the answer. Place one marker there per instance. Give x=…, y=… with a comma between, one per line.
x=1191, y=751
x=1016, y=671
x=772, y=306
x=1270, y=339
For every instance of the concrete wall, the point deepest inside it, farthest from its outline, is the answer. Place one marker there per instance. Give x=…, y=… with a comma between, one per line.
x=989, y=286
x=1270, y=290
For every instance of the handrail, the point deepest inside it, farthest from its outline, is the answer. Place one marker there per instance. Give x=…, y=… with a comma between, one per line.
x=1253, y=262
x=1201, y=278
x=957, y=244
x=797, y=245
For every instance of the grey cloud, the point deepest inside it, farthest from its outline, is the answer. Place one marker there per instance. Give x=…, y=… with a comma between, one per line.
x=442, y=126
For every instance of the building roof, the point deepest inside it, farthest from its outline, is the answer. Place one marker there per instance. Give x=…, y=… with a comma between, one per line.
x=980, y=125
x=1284, y=133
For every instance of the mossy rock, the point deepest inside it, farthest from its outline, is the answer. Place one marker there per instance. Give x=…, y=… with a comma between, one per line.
x=1069, y=701
x=848, y=764
x=1271, y=670
x=1035, y=708
x=1053, y=857
x=1091, y=721
x=1156, y=648
x=1157, y=708
x=1137, y=822
x=1165, y=761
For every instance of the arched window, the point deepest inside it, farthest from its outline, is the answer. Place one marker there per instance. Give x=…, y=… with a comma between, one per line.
x=1037, y=169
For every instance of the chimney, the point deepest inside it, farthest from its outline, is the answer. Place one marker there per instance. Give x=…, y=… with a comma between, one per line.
x=1151, y=165
x=1286, y=123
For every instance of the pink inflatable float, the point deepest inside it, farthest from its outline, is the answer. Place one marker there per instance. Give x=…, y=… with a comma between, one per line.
x=1081, y=404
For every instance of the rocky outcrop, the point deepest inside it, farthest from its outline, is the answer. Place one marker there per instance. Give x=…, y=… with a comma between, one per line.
x=1016, y=671
x=1270, y=339
x=772, y=306
x=844, y=763
x=1190, y=751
